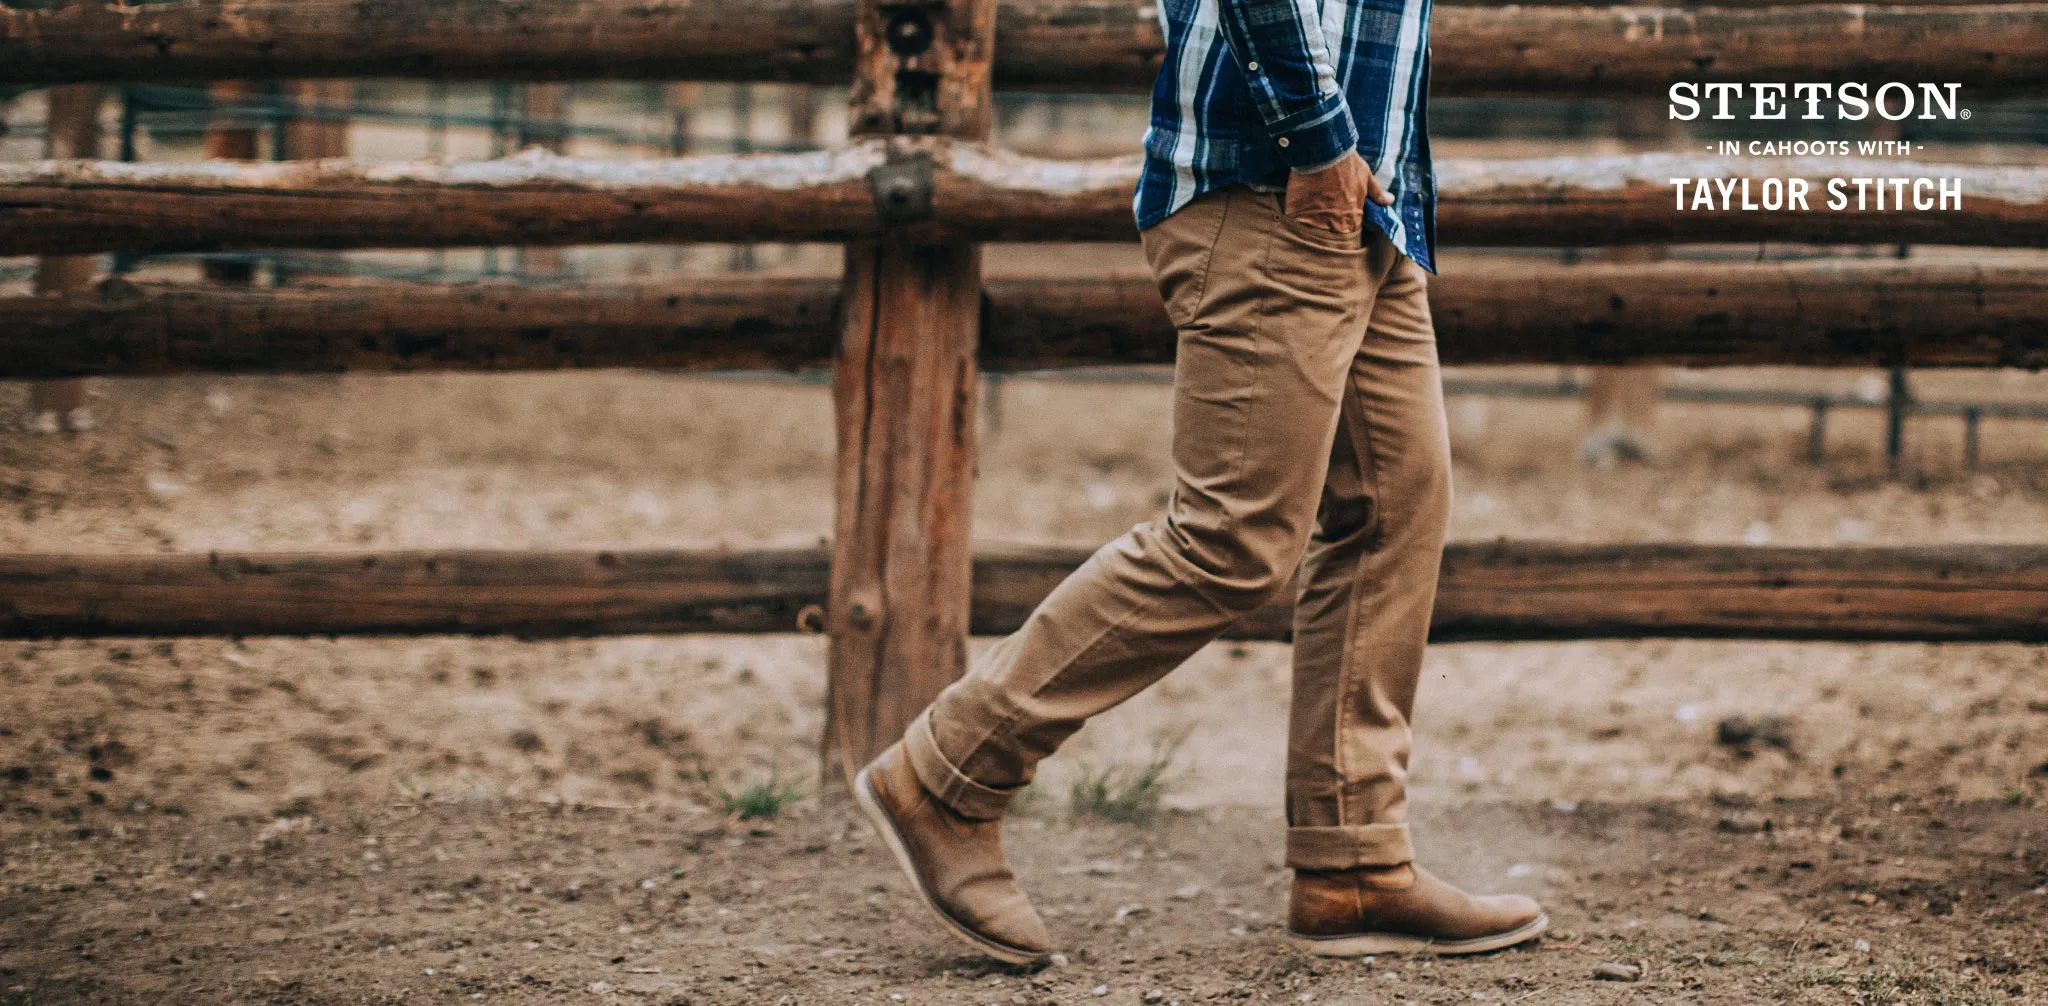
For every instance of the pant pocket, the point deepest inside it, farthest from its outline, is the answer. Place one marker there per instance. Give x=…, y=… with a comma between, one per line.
x=1180, y=250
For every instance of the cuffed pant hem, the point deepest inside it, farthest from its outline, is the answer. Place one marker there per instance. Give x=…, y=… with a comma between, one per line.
x=1349, y=847
x=943, y=780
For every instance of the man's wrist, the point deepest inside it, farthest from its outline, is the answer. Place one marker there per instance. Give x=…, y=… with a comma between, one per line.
x=1314, y=169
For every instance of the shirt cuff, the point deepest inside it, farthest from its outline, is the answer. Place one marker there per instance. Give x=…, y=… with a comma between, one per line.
x=1319, y=138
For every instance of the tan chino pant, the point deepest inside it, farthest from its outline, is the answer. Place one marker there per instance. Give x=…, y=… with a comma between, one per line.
x=1308, y=432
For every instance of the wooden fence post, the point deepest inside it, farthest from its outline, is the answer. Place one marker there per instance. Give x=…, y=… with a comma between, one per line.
x=904, y=386
x=236, y=139
x=72, y=130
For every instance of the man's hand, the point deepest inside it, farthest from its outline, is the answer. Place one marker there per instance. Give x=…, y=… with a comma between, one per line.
x=1334, y=198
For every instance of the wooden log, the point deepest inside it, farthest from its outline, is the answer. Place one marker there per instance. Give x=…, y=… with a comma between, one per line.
x=1499, y=591
x=1832, y=313
x=1106, y=45
x=904, y=386
x=975, y=194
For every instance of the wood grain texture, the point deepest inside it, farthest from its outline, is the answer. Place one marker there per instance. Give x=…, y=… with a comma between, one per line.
x=1083, y=45
x=1832, y=313
x=1490, y=591
x=73, y=207
x=903, y=388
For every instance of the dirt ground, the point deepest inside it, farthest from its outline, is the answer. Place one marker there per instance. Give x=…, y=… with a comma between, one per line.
x=338, y=821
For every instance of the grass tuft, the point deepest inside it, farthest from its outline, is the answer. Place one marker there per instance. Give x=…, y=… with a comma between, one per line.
x=1125, y=793
x=761, y=800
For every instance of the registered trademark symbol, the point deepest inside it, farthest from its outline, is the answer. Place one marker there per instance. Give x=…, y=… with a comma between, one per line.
x=1965, y=113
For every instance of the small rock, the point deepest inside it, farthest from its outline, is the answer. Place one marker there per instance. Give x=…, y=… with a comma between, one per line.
x=1862, y=946
x=1613, y=972
x=1153, y=995
x=1746, y=822
x=1188, y=892
x=1059, y=960
x=1740, y=731
x=599, y=988
x=1099, y=991
x=1126, y=911
x=1097, y=868
x=198, y=897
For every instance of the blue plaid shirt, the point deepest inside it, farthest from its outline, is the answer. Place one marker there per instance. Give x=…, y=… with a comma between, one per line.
x=1252, y=89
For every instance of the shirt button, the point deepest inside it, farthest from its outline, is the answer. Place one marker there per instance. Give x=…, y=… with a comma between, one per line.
x=1283, y=141
x=1253, y=66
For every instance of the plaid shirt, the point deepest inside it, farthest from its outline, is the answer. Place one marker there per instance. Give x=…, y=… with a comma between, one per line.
x=1252, y=89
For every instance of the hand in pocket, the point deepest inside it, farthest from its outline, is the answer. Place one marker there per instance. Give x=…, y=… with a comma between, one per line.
x=1334, y=198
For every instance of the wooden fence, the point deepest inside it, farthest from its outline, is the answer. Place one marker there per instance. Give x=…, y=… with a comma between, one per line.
x=1490, y=591
x=1061, y=45
x=1869, y=313
x=910, y=321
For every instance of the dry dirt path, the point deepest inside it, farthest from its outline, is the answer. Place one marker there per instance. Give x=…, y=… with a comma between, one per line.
x=1797, y=902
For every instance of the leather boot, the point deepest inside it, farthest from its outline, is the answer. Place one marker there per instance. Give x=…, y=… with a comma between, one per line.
x=955, y=863
x=1350, y=913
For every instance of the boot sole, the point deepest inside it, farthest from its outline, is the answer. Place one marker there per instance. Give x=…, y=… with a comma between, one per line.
x=885, y=825
x=1361, y=944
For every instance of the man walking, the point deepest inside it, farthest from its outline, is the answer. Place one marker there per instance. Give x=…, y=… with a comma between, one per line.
x=1287, y=209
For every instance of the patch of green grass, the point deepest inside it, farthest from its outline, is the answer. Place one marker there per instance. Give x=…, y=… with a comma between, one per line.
x=1124, y=793
x=761, y=800
x=1029, y=801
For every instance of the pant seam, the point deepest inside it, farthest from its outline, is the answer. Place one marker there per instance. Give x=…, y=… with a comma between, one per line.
x=1359, y=429
x=1209, y=258
x=1266, y=299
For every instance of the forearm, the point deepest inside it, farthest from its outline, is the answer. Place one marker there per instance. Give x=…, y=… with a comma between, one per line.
x=1286, y=60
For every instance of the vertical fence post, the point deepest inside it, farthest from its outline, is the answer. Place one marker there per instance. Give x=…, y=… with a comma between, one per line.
x=72, y=129
x=904, y=386
x=1896, y=404
x=543, y=123
x=235, y=139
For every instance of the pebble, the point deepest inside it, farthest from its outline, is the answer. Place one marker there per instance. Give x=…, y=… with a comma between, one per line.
x=1099, y=991
x=1735, y=731
x=1613, y=972
x=1153, y=995
x=1059, y=960
x=1746, y=822
x=1188, y=893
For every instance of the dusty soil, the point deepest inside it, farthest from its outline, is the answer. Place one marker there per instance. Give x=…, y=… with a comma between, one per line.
x=1801, y=901
x=357, y=812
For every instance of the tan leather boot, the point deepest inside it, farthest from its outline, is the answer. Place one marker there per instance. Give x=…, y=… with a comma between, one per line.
x=956, y=864
x=1350, y=913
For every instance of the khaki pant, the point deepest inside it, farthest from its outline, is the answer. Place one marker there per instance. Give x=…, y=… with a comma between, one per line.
x=1308, y=432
